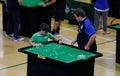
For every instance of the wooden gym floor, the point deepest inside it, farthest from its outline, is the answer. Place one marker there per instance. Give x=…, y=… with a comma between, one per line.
x=13, y=63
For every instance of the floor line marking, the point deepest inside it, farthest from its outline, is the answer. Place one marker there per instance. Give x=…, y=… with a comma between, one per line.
x=107, y=51
x=106, y=42
x=13, y=66
x=106, y=65
x=76, y=31
x=103, y=37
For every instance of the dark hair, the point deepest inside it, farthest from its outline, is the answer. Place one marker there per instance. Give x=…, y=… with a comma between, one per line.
x=79, y=12
x=45, y=27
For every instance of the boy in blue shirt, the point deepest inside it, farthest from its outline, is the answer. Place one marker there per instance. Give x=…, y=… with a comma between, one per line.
x=86, y=32
x=85, y=39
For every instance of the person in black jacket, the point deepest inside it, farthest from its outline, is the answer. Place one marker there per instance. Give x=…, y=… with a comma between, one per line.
x=58, y=13
x=12, y=7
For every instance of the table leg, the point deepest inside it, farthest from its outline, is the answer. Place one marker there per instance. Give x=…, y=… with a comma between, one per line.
x=118, y=47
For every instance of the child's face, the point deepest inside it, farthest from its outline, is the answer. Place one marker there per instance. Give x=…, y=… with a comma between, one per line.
x=42, y=32
x=77, y=18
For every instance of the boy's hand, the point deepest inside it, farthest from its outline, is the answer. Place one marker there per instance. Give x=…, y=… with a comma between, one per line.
x=43, y=5
x=73, y=42
x=33, y=44
x=19, y=1
x=87, y=48
x=60, y=41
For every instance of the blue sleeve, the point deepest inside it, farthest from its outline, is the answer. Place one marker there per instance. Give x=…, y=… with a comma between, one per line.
x=89, y=28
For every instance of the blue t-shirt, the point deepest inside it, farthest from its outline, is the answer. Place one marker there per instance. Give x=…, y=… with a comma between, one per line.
x=85, y=31
x=101, y=4
x=87, y=27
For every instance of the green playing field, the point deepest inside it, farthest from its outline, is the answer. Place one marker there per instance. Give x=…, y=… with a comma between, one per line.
x=116, y=26
x=32, y=3
x=63, y=53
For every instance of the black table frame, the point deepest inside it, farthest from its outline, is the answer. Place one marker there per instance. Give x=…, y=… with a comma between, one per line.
x=117, y=42
x=50, y=67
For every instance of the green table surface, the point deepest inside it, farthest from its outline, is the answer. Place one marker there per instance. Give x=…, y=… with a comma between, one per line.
x=59, y=52
x=115, y=26
x=32, y=3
